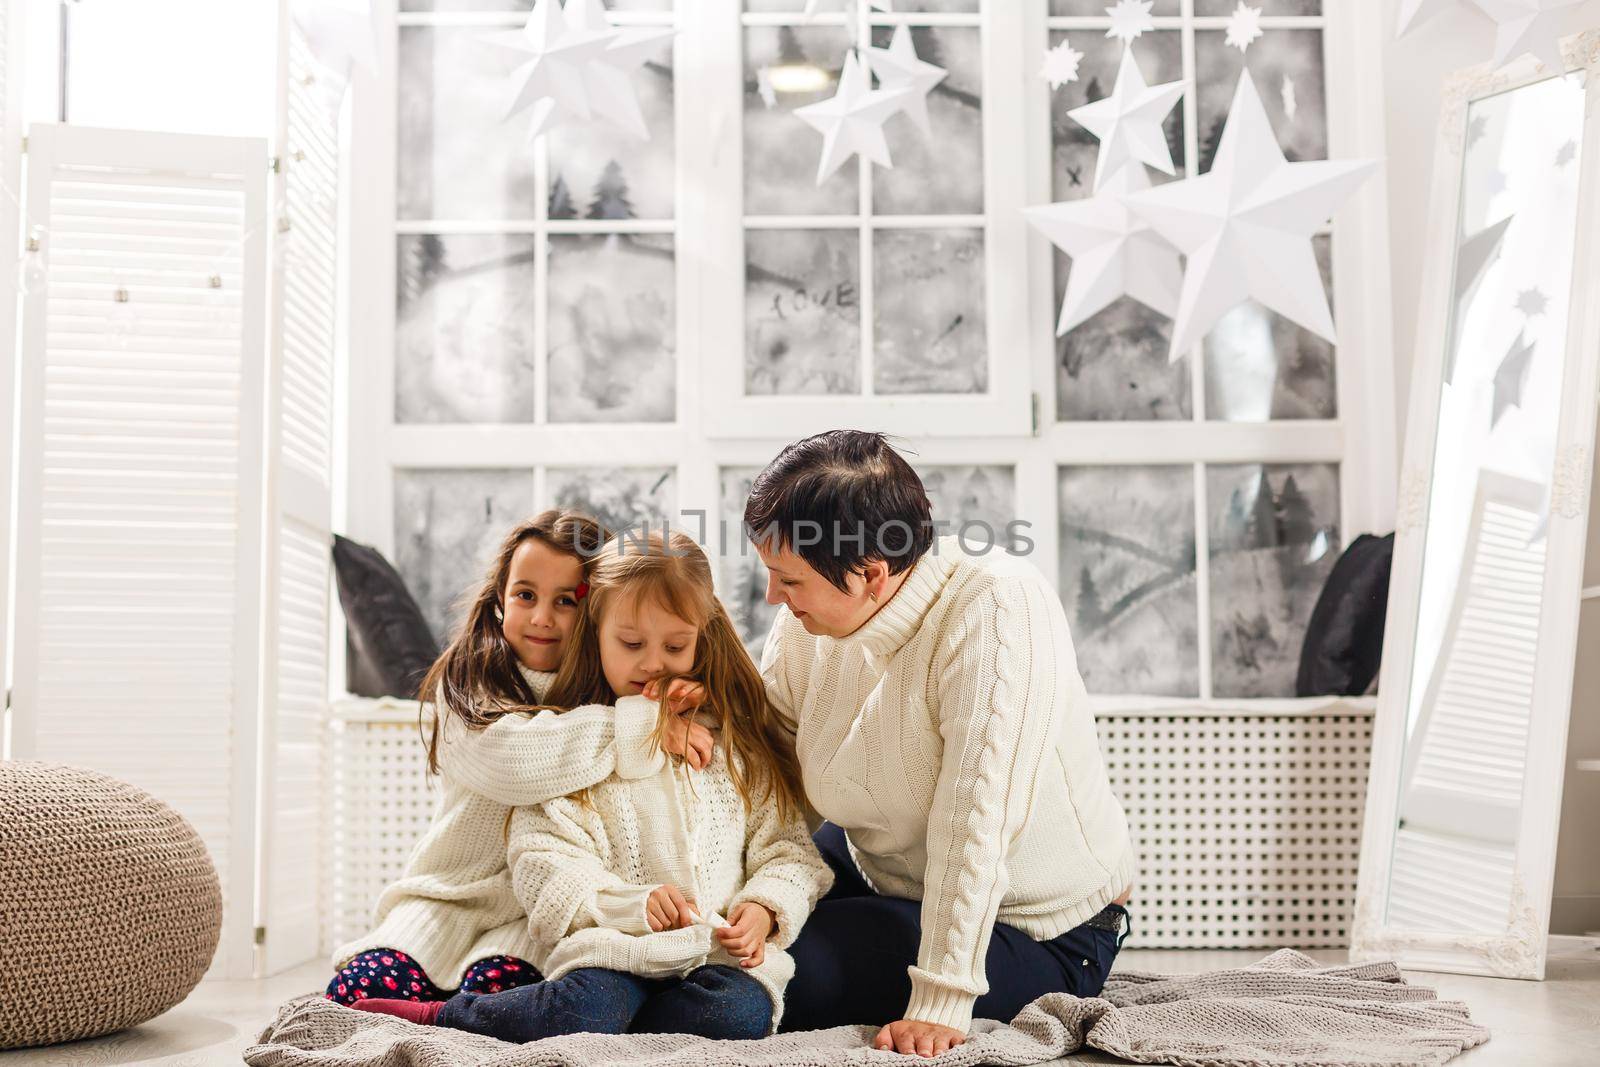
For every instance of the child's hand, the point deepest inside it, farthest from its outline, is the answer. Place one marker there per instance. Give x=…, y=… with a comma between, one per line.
x=684, y=737
x=669, y=909
x=683, y=695
x=745, y=936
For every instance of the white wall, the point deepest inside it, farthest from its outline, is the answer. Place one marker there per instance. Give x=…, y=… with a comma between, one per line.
x=182, y=66
x=1414, y=73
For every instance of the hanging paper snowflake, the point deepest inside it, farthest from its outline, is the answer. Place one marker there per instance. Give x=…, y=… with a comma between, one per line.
x=1244, y=26
x=1061, y=64
x=1129, y=19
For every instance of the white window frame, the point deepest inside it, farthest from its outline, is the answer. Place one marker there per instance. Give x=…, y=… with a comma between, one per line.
x=1014, y=426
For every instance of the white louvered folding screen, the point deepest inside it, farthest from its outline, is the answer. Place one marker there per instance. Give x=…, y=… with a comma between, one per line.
x=140, y=493
x=10, y=221
x=1466, y=757
x=300, y=420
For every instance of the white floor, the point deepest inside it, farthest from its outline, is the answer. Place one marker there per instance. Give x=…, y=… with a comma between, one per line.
x=1554, y=1023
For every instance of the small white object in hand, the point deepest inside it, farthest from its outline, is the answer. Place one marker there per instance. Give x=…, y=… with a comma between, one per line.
x=1061, y=64
x=711, y=919
x=1244, y=26
x=1129, y=19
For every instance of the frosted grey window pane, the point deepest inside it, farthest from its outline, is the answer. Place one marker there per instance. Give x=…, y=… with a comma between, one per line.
x=1287, y=68
x=742, y=575
x=455, y=157
x=930, y=312
x=976, y=502
x=1269, y=8
x=1097, y=8
x=802, y=312
x=1261, y=366
x=621, y=498
x=941, y=174
x=1073, y=148
x=1115, y=366
x=464, y=326
x=613, y=328
x=448, y=524
x=780, y=151
x=1274, y=538
x=600, y=172
x=1128, y=578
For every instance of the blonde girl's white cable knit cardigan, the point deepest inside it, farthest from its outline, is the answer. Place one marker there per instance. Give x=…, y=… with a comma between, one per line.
x=584, y=870
x=454, y=904
x=951, y=737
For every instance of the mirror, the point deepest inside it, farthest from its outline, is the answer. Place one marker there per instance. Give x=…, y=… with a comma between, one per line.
x=1476, y=687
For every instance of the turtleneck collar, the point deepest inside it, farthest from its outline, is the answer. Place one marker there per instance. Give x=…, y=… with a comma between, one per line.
x=539, y=681
x=888, y=631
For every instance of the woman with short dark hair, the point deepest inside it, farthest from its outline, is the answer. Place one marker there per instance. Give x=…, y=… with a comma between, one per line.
x=943, y=730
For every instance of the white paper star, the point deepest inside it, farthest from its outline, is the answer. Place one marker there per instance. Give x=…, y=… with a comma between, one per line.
x=1244, y=26
x=552, y=81
x=608, y=80
x=1246, y=225
x=1061, y=64
x=1528, y=26
x=1128, y=122
x=1114, y=251
x=1414, y=13
x=1511, y=378
x=898, y=67
x=1129, y=19
x=851, y=122
x=1532, y=302
x=1476, y=255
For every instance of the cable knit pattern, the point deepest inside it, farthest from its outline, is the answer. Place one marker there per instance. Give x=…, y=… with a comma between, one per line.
x=579, y=865
x=454, y=904
x=951, y=737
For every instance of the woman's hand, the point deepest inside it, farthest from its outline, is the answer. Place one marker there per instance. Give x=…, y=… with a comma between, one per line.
x=669, y=909
x=914, y=1038
x=684, y=737
x=745, y=936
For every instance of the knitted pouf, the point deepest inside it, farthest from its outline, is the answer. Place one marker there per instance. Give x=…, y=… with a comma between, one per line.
x=110, y=909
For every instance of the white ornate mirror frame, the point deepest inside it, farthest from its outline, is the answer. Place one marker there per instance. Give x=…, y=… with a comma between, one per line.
x=1517, y=949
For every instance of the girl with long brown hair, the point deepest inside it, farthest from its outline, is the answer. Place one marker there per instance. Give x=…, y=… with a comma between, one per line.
x=625, y=883
x=451, y=921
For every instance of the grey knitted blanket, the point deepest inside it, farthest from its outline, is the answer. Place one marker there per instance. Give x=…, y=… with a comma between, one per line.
x=1284, y=1010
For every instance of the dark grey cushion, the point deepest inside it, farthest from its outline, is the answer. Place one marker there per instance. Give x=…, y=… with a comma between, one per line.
x=1344, y=640
x=390, y=644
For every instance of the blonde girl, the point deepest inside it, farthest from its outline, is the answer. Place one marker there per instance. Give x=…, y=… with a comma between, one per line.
x=452, y=921
x=626, y=884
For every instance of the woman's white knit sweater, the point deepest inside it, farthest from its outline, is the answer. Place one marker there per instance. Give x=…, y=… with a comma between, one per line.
x=454, y=905
x=584, y=869
x=951, y=737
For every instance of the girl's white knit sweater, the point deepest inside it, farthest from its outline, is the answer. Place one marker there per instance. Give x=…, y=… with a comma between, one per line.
x=951, y=737
x=583, y=869
x=454, y=904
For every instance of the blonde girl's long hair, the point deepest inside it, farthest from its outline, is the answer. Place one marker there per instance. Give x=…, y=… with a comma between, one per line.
x=477, y=679
x=672, y=572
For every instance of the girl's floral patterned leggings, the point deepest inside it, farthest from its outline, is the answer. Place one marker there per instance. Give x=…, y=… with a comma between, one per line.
x=385, y=974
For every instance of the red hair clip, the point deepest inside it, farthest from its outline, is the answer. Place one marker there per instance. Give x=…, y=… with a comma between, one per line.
x=582, y=590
